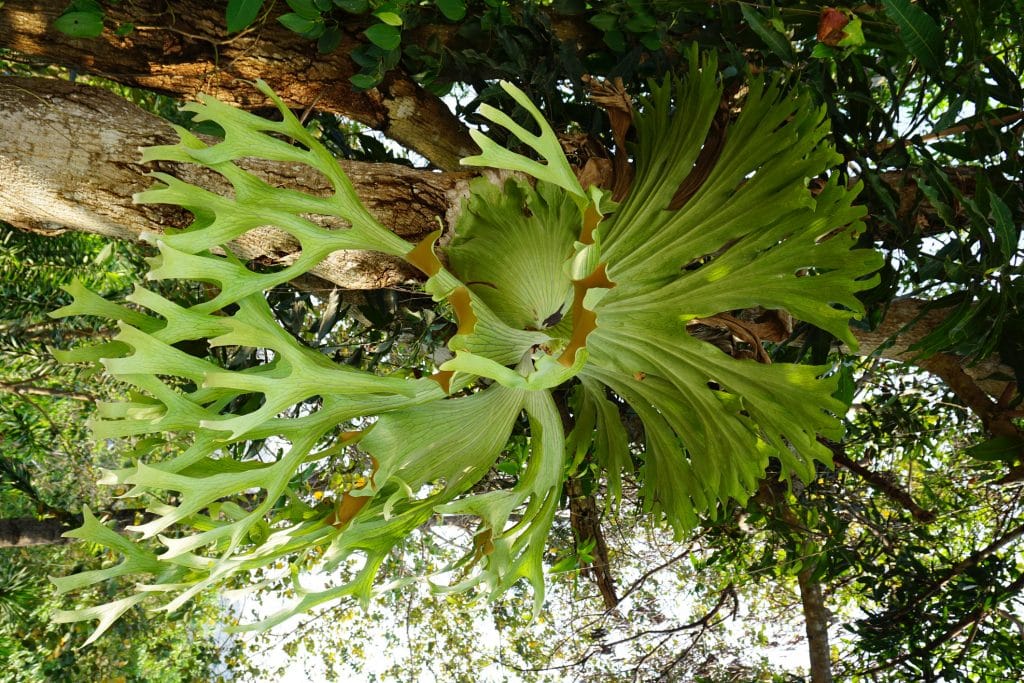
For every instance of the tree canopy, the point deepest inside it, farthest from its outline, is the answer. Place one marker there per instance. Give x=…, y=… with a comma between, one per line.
x=695, y=316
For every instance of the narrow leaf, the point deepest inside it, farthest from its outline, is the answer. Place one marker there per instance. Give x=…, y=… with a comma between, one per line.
x=1002, y=224
x=776, y=42
x=919, y=32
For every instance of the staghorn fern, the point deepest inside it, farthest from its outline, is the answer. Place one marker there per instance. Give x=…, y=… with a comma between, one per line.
x=568, y=286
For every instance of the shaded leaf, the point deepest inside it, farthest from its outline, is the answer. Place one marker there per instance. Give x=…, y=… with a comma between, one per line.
x=365, y=81
x=383, y=36
x=919, y=32
x=305, y=9
x=998, y=448
x=302, y=25
x=353, y=6
x=80, y=24
x=776, y=41
x=453, y=10
x=329, y=41
x=241, y=13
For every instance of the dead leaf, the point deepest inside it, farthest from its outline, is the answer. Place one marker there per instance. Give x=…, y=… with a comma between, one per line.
x=613, y=98
x=831, y=25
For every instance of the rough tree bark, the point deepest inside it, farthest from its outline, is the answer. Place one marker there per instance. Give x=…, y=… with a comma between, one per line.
x=183, y=48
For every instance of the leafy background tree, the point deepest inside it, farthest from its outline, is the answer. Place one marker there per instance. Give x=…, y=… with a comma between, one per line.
x=910, y=540
x=49, y=467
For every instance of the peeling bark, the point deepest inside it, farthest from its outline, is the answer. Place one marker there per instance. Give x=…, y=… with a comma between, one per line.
x=183, y=48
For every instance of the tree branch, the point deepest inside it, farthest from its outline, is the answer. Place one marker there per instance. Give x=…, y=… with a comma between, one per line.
x=704, y=622
x=984, y=386
x=21, y=532
x=905, y=323
x=959, y=568
x=882, y=481
x=68, y=161
x=991, y=122
x=183, y=48
x=971, y=619
x=585, y=519
x=24, y=389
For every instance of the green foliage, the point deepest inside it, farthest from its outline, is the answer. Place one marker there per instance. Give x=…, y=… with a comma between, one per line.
x=81, y=19
x=140, y=647
x=919, y=576
x=453, y=10
x=43, y=403
x=48, y=468
x=241, y=13
x=18, y=591
x=80, y=24
x=579, y=286
x=927, y=93
x=918, y=31
x=769, y=32
x=384, y=36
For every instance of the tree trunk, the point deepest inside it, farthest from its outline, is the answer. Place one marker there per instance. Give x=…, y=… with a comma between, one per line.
x=771, y=496
x=816, y=624
x=182, y=48
x=25, y=531
x=906, y=322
